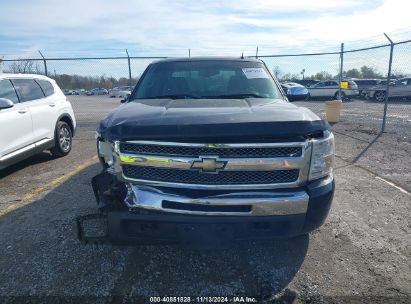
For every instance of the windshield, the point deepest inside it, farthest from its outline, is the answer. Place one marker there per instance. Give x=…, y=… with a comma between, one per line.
x=206, y=79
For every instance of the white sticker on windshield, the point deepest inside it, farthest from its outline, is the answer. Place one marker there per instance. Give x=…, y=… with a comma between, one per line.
x=251, y=73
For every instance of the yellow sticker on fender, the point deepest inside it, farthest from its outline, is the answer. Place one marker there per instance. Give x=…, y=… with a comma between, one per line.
x=344, y=84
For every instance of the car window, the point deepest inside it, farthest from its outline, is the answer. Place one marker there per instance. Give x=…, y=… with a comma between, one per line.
x=27, y=89
x=46, y=86
x=206, y=79
x=7, y=91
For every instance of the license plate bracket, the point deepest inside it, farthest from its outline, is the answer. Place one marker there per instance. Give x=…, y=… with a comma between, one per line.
x=206, y=236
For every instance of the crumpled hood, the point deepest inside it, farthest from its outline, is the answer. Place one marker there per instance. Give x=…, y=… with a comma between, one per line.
x=215, y=119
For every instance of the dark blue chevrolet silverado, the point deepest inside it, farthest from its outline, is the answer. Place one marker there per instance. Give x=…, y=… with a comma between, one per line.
x=209, y=151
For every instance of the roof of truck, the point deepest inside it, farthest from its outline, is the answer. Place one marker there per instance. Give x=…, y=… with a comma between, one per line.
x=210, y=58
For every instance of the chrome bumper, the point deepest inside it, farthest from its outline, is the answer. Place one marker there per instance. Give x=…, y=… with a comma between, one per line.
x=261, y=203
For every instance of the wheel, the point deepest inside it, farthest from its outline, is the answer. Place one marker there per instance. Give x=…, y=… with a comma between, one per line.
x=379, y=96
x=342, y=96
x=308, y=97
x=63, y=139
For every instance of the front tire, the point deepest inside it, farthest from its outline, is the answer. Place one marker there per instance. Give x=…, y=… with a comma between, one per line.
x=63, y=139
x=379, y=96
x=342, y=96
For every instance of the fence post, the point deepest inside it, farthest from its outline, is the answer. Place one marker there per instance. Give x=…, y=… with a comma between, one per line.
x=45, y=63
x=387, y=91
x=129, y=68
x=341, y=71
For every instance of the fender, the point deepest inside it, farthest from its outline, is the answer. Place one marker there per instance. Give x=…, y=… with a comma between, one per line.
x=65, y=115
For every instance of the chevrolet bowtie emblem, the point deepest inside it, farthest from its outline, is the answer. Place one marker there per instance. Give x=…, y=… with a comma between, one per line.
x=208, y=165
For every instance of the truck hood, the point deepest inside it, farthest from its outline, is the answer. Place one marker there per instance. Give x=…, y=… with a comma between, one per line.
x=209, y=120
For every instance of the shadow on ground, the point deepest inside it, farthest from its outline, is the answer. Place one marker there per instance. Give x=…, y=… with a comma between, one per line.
x=33, y=160
x=42, y=257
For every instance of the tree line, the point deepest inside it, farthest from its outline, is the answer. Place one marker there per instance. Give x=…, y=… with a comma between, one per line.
x=67, y=81
x=364, y=72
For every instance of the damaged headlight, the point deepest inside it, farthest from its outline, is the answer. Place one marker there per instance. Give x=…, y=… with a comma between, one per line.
x=322, y=157
x=105, y=151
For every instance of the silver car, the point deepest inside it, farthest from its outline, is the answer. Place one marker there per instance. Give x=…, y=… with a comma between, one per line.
x=399, y=88
x=120, y=91
x=98, y=91
x=330, y=88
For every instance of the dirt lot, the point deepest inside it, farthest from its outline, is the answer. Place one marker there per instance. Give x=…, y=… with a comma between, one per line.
x=361, y=254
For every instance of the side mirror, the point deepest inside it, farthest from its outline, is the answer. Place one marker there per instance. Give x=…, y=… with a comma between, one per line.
x=5, y=103
x=125, y=99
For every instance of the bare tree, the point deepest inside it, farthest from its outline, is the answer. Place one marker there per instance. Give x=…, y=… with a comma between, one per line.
x=277, y=72
x=25, y=67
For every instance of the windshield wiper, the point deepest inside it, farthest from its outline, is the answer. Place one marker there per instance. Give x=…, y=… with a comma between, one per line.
x=234, y=96
x=173, y=96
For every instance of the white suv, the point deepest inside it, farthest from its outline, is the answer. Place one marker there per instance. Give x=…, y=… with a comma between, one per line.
x=34, y=116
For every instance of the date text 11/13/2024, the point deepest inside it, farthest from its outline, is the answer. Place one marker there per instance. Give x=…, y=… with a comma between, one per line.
x=203, y=299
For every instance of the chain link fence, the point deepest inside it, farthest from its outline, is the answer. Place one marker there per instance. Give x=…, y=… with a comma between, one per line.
x=360, y=114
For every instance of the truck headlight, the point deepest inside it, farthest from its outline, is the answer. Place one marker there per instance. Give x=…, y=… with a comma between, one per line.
x=105, y=152
x=322, y=157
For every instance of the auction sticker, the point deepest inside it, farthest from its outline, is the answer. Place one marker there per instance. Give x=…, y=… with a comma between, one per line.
x=251, y=73
x=344, y=84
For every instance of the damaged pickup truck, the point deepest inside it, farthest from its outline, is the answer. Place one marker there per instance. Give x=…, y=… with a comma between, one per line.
x=209, y=151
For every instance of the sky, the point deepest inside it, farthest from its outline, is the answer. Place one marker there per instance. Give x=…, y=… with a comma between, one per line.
x=169, y=28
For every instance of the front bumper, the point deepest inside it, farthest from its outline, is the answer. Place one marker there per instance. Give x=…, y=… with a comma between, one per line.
x=137, y=228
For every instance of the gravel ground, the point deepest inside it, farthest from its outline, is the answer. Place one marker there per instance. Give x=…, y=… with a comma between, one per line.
x=361, y=254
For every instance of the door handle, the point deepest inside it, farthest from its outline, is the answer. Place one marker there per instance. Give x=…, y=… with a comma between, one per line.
x=22, y=111
x=52, y=104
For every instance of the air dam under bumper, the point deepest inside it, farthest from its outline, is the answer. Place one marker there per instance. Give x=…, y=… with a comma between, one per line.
x=128, y=228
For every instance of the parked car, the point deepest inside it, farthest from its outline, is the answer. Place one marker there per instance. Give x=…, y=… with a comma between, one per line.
x=307, y=82
x=365, y=84
x=399, y=88
x=208, y=152
x=294, y=91
x=330, y=88
x=79, y=91
x=98, y=91
x=120, y=91
x=36, y=115
x=68, y=92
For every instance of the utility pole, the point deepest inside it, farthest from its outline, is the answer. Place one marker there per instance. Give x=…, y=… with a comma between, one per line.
x=129, y=68
x=45, y=63
x=341, y=71
x=387, y=91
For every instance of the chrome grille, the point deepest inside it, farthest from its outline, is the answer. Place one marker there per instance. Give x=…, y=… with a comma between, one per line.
x=222, y=178
x=195, y=151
